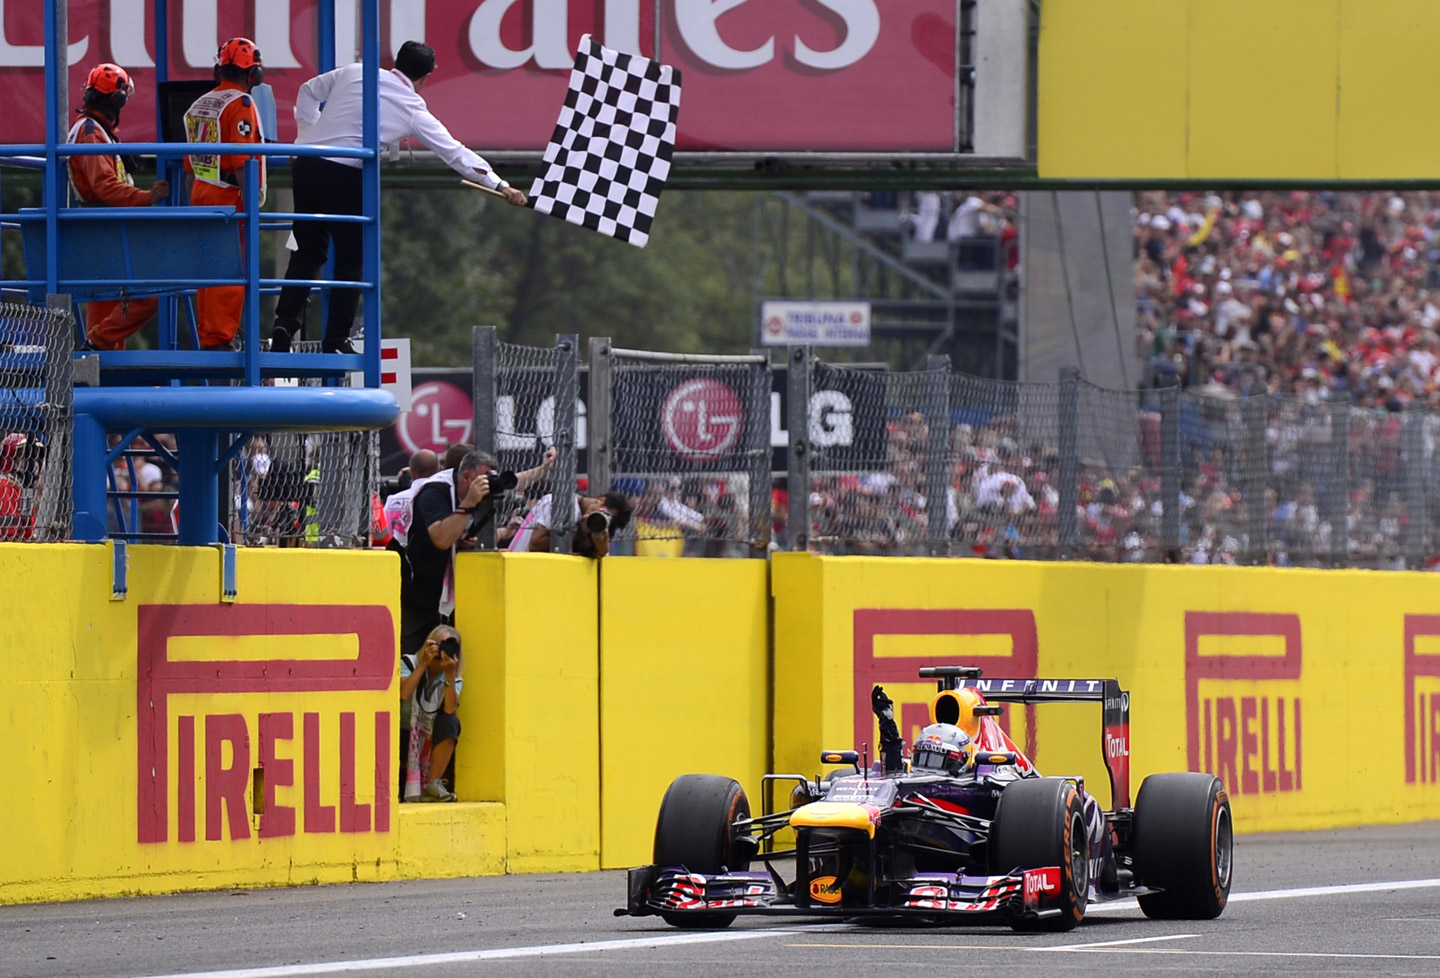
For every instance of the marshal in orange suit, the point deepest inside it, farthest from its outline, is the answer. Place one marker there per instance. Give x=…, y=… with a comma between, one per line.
x=225, y=114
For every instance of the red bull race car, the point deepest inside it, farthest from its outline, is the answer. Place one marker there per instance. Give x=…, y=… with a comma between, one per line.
x=964, y=829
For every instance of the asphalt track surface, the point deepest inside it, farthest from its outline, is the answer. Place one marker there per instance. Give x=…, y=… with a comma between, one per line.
x=1352, y=902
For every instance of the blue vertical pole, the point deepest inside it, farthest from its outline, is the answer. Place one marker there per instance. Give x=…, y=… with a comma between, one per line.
x=325, y=12
x=199, y=487
x=252, y=272
x=370, y=31
x=55, y=62
x=88, y=489
x=166, y=168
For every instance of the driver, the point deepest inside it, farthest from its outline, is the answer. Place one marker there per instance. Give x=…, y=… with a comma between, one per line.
x=941, y=748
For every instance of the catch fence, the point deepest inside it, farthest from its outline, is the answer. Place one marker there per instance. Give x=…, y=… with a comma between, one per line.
x=36, y=421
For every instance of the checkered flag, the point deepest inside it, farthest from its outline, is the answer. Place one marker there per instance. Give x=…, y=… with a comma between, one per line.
x=610, y=155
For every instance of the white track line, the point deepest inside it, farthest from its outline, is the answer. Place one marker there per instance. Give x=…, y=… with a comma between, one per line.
x=462, y=957
x=1132, y=940
x=1340, y=889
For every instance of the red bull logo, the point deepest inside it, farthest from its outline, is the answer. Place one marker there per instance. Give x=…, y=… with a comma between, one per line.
x=1243, y=710
x=222, y=742
x=891, y=644
x=1422, y=699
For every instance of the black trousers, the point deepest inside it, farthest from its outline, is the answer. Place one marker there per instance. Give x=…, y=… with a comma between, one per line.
x=324, y=187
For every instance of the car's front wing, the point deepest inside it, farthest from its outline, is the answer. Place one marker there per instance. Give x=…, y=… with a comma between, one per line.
x=676, y=890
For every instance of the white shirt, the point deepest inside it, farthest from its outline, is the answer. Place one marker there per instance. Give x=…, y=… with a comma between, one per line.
x=400, y=506
x=403, y=114
x=965, y=222
x=539, y=518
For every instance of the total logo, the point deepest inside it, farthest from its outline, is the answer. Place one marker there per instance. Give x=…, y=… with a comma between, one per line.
x=1041, y=882
x=1116, y=745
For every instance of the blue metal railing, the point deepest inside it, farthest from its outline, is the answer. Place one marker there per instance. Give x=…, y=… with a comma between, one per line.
x=210, y=424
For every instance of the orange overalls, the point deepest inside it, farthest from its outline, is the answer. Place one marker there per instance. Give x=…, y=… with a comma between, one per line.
x=226, y=114
x=103, y=180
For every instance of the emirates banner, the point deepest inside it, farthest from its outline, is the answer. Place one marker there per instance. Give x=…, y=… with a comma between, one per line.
x=761, y=75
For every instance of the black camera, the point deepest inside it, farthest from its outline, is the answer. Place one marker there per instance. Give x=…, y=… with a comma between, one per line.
x=450, y=646
x=598, y=521
x=501, y=481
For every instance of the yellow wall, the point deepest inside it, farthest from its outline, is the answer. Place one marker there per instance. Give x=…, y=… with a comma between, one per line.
x=530, y=716
x=1220, y=89
x=591, y=685
x=77, y=768
x=684, y=687
x=1352, y=637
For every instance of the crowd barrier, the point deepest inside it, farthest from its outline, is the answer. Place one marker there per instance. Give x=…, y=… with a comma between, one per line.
x=174, y=726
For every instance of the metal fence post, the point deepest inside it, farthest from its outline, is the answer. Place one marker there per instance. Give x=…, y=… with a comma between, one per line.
x=757, y=434
x=797, y=421
x=562, y=483
x=1336, y=501
x=53, y=521
x=1069, y=488
x=1257, y=469
x=1415, y=467
x=598, y=419
x=937, y=453
x=484, y=386
x=1170, y=465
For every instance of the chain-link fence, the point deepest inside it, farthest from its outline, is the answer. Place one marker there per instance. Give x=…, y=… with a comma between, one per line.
x=687, y=440
x=36, y=422
x=310, y=489
x=536, y=384
x=941, y=463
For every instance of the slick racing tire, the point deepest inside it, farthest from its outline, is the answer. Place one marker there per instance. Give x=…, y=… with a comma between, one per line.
x=1184, y=845
x=694, y=830
x=1041, y=822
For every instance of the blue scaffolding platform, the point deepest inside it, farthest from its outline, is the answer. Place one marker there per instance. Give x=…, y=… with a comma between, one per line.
x=96, y=253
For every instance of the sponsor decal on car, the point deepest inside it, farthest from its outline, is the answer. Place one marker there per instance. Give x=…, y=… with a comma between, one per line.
x=1044, y=881
x=826, y=889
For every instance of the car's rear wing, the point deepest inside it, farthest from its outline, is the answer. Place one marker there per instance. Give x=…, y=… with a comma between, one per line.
x=1114, y=703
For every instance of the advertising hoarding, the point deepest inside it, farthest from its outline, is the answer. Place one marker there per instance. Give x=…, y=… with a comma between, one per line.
x=760, y=75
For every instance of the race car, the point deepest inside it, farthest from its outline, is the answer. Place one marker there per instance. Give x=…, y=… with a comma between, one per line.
x=964, y=829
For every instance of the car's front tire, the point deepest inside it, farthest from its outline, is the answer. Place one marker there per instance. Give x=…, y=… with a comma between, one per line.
x=695, y=829
x=1184, y=845
x=1041, y=822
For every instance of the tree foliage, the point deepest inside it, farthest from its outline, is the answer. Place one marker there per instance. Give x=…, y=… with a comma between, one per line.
x=455, y=259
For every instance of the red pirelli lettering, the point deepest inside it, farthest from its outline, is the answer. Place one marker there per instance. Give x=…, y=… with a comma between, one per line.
x=159, y=677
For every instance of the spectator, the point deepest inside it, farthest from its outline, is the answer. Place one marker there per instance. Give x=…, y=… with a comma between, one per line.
x=430, y=682
x=534, y=533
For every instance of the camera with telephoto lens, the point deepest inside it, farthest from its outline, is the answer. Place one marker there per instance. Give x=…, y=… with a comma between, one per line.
x=501, y=481
x=598, y=521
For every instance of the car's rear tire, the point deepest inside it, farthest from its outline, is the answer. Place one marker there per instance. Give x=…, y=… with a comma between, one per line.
x=695, y=830
x=1041, y=822
x=1184, y=845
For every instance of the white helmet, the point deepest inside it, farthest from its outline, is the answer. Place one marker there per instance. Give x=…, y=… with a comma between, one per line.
x=941, y=748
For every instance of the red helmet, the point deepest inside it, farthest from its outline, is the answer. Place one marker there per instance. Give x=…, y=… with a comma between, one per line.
x=107, y=79
x=240, y=52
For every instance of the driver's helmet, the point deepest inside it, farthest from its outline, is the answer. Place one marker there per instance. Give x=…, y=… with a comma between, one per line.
x=941, y=748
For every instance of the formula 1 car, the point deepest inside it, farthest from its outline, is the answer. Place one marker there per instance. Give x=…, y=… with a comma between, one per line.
x=966, y=829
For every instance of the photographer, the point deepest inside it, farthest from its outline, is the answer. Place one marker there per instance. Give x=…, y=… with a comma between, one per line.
x=595, y=518
x=443, y=510
x=429, y=696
